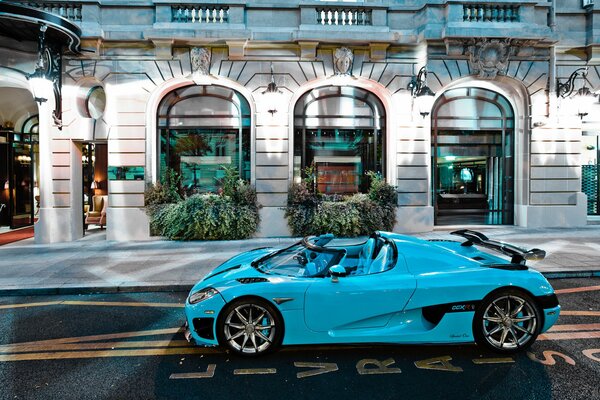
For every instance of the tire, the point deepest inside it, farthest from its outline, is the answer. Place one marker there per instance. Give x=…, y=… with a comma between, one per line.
x=238, y=323
x=507, y=321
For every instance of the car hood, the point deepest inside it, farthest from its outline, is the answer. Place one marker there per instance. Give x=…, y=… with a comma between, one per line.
x=236, y=267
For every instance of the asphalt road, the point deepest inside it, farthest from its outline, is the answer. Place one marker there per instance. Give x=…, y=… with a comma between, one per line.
x=128, y=346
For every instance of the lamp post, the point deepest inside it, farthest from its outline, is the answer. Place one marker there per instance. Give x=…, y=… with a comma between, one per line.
x=422, y=95
x=584, y=96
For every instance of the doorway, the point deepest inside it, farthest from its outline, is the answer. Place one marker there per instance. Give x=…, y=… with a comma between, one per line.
x=94, y=161
x=472, y=158
x=590, y=170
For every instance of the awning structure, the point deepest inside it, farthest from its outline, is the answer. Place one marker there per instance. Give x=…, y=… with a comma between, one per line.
x=23, y=23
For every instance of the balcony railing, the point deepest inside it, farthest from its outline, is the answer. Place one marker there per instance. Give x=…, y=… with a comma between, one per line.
x=490, y=13
x=208, y=14
x=344, y=16
x=70, y=11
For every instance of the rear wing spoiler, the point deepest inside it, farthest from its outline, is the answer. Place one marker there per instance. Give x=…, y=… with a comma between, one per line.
x=517, y=254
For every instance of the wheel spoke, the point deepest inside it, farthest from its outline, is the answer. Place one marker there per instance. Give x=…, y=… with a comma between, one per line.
x=259, y=318
x=524, y=318
x=493, y=319
x=518, y=310
x=245, y=340
x=520, y=328
x=240, y=316
x=237, y=335
x=499, y=311
x=250, y=315
x=514, y=335
x=508, y=305
x=253, y=339
x=495, y=330
x=263, y=327
x=235, y=326
x=263, y=337
x=503, y=337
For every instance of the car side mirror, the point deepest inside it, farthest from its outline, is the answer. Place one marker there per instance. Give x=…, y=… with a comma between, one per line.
x=337, y=271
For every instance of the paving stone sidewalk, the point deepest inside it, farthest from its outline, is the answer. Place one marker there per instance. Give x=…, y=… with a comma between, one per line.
x=95, y=264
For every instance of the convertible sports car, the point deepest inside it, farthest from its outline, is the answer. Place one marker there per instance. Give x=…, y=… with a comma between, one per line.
x=390, y=289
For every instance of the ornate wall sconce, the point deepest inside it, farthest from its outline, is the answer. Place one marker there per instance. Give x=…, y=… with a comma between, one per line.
x=422, y=95
x=47, y=72
x=584, y=96
x=272, y=94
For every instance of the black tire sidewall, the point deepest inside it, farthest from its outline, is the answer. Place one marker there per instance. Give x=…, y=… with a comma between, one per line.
x=259, y=302
x=478, y=318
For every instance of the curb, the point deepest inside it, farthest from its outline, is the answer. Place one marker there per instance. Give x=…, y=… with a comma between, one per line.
x=76, y=290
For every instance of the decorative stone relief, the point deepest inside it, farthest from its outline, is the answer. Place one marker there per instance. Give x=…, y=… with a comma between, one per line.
x=342, y=61
x=200, y=58
x=489, y=57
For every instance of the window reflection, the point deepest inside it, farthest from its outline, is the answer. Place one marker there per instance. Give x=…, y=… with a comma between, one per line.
x=203, y=129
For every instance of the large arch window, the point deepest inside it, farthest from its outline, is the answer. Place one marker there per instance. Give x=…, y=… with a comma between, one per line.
x=340, y=130
x=473, y=162
x=203, y=129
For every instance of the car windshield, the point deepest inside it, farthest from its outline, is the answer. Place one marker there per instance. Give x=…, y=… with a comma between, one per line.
x=301, y=259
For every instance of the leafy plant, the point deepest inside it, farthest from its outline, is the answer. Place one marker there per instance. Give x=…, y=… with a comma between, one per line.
x=310, y=213
x=164, y=192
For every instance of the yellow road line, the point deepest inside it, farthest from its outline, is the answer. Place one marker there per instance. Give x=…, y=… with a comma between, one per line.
x=105, y=353
x=569, y=335
x=500, y=360
x=18, y=348
x=581, y=313
x=92, y=303
x=574, y=327
x=577, y=289
x=109, y=336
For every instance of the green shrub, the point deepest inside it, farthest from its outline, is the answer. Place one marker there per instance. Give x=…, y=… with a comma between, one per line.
x=205, y=217
x=310, y=213
x=232, y=214
x=164, y=192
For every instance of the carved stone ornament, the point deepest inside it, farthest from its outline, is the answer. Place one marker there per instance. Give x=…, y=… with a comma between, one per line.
x=489, y=57
x=342, y=61
x=200, y=57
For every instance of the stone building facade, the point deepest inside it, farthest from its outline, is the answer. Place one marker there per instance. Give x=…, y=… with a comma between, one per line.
x=502, y=143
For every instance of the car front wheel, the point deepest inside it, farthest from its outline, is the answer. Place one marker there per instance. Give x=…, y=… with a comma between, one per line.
x=250, y=327
x=507, y=321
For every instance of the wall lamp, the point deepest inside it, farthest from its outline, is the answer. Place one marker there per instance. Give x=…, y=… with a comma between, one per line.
x=272, y=94
x=421, y=93
x=46, y=76
x=584, y=96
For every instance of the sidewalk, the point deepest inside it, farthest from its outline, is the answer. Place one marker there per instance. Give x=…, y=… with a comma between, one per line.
x=93, y=264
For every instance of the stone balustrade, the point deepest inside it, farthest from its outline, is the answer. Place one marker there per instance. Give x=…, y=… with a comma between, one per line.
x=200, y=14
x=491, y=13
x=70, y=11
x=343, y=16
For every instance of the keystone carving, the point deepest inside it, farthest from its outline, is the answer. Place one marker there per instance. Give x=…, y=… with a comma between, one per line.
x=489, y=57
x=342, y=61
x=200, y=58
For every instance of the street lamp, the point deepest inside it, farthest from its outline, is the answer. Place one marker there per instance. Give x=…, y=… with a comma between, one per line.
x=423, y=96
x=584, y=96
x=272, y=94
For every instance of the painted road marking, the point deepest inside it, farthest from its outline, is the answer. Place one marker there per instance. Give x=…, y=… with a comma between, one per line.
x=92, y=303
x=376, y=367
x=92, y=346
x=438, y=364
x=589, y=353
x=574, y=327
x=569, y=335
x=255, y=371
x=498, y=360
x=318, y=369
x=209, y=373
x=581, y=313
x=577, y=289
x=549, y=357
x=102, y=354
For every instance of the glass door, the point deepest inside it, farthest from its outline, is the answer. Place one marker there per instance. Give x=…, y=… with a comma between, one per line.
x=589, y=173
x=21, y=185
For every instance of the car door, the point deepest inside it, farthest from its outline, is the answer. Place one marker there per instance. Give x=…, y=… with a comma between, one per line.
x=358, y=301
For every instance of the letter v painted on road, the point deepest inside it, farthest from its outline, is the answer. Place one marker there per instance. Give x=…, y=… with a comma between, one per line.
x=319, y=368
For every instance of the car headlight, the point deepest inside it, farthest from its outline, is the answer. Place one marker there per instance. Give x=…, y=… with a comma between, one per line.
x=202, y=295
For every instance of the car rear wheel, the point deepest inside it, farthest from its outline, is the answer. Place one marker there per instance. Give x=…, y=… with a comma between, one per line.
x=250, y=327
x=507, y=321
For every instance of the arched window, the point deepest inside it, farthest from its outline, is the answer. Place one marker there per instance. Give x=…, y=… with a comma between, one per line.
x=473, y=163
x=203, y=129
x=340, y=130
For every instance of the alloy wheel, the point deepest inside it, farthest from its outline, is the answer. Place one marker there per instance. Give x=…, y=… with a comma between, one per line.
x=509, y=322
x=249, y=328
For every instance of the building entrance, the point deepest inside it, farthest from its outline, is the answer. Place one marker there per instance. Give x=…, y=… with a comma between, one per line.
x=472, y=158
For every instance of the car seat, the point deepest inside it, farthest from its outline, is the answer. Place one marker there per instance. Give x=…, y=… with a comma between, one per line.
x=365, y=257
x=380, y=263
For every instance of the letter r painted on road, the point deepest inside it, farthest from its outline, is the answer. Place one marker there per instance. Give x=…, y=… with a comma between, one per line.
x=377, y=367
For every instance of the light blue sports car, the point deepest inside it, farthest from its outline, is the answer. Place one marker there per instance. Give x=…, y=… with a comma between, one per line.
x=390, y=289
